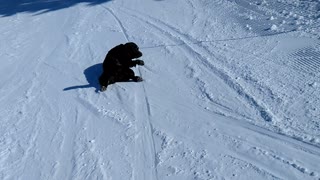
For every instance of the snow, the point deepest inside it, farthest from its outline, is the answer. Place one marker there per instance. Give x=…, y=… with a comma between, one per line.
x=230, y=90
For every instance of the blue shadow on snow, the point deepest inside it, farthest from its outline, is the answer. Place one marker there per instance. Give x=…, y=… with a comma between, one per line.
x=12, y=7
x=92, y=74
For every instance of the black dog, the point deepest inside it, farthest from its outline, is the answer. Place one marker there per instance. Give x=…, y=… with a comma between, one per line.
x=117, y=64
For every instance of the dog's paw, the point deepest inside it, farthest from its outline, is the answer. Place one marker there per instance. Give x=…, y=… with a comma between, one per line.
x=103, y=88
x=137, y=79
x=139, y=62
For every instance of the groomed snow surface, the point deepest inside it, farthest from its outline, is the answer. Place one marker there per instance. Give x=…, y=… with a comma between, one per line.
x=231, y=90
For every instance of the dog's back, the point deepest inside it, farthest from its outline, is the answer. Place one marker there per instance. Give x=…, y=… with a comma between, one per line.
x=113, y=56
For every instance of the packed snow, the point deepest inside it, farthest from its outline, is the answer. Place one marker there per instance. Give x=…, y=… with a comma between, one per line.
x=231, y=90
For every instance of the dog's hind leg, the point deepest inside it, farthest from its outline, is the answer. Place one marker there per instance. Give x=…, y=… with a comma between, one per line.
x=137, y=79
x=105, y=80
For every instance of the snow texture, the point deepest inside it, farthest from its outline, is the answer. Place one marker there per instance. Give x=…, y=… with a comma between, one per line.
x=231, y=90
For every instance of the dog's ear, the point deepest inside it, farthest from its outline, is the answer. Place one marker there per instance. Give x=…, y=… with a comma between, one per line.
x=133, y=50
x=132, y=44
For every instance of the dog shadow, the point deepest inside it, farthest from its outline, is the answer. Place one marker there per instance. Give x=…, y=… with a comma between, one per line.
x=92, y=74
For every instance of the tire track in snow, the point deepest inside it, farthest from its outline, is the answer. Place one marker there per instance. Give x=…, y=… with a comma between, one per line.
x=143, y=122
x=191, y=46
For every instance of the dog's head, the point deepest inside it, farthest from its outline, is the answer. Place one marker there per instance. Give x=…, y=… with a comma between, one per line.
x=133, y=50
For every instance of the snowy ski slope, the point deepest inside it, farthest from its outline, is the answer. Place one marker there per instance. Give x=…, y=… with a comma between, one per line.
x=231, y=90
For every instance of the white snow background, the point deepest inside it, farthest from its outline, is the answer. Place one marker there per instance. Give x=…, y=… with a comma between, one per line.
x=231, y=90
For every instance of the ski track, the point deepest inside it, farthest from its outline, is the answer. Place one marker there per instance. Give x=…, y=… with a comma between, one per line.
x=252, y=152
x=87, y=159
x=194, y=73
x=304, y=63
x=291, y=145
x=150, y=129
x=73, y=152
x=66, y=144
x=190, y=45
x=26, y=148
x=178, y=36
x=143, y=123
x=145, y=146
x=283, y=160
x=305, y=78
x=118, y=21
